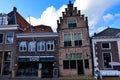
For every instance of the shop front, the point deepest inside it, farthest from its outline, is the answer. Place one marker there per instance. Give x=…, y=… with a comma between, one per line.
x=29, y=65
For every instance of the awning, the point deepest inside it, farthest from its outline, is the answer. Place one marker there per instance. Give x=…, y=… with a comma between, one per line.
x=114, y=63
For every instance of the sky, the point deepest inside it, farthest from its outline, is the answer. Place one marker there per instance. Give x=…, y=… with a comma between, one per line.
x=101, y=13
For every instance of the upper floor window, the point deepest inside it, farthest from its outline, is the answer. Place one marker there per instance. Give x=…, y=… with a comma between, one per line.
x=1, y=38
x=50, y=45
x=41, y=46
x=3, y=19
x=106, y=45
x=32, y=46
x=9, y=37
x=67, y=40
x=23, y=46
x=32, y=29
x=77, y=39
x=72, y=24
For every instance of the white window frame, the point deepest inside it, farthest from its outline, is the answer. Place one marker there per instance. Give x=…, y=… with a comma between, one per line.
x=21, y=45
x=106, y=42
x=49, y=43
x=7, y=38
x=40, y=44
x=32, y=46
x=3, y=19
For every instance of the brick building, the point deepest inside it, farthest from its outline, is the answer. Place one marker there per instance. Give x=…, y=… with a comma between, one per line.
x=24, y=49
x=74, y=45
x=106, y=46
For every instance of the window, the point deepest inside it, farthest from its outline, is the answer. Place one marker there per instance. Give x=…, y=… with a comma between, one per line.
x=1, y=38
x=106, y=45
x=3, y=19
x=73, y=56
x=67, y=40
x=86, y=63
x=7, y=56
x=32, y=46
x=50, y=45
x=23, y=46
x=77, y=39
x=107, y=59
x=69, y=64
x=32, y=29
x=66, y=64
x=9, y=37
x=41, y=46
x=72, y=64
x=72, y=24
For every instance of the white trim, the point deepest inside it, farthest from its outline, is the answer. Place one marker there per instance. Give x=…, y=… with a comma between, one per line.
x=118, y=44
x=8, y=27
x=106, y=42
x=29, y=35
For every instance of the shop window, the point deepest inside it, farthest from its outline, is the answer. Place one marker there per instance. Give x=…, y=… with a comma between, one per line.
x=23, y=46
x=7, y=56
x=32, y=46
x=66, y=64
x=72, y=23
x=106, y=45
x=107, y=59
x=50, y=45
x=77, y=39
x=1, y=38
x=9, y=37
x=86, y=63
x=41, y=46
x=67, y=40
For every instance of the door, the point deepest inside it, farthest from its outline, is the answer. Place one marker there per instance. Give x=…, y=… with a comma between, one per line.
x=80, y=67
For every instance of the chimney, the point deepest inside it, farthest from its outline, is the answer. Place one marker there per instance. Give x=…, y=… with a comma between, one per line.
x=14, y=9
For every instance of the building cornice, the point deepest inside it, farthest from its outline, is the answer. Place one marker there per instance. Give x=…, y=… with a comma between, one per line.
x=9, y=27
x=30, y=35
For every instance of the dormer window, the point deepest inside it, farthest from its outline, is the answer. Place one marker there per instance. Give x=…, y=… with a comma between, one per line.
x=72, y=24
x=43, y=29
x=32, y=29
x=3, y=19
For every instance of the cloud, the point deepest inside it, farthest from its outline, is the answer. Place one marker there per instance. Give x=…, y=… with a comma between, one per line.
x=93, y=9
x=108, y=17
x=48, y=17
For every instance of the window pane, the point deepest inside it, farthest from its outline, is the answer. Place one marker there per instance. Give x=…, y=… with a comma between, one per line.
x=65, y=64
x=32, y=46
x=107, y=59
x=50, y=45
x=105, y=45
x=73, y=64
x=9, y=37
x=23, y=46
x=41, y=46
x=86, y=63
x=1, y=38
x=67, y=37
x=72, y=24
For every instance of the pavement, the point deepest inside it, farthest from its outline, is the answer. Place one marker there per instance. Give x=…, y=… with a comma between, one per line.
x=60, y=78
